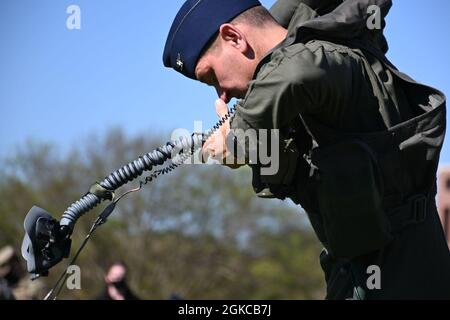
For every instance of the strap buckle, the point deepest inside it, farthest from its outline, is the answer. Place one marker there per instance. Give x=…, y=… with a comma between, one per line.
x=413, y=211
x=419, y=206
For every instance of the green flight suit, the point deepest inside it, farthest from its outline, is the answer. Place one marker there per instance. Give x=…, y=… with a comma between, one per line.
x=368, y=140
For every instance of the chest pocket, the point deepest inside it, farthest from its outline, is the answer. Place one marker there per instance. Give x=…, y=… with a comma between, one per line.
x=277, y=182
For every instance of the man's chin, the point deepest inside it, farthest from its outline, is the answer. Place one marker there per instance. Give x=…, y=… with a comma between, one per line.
x=238, y=94
x=241, y=94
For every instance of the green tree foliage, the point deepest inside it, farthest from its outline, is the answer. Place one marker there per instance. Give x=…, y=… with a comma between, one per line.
x=199, y=232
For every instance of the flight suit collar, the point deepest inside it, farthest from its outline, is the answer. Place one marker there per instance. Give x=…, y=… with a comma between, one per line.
x=302, y=14
x=345, y=23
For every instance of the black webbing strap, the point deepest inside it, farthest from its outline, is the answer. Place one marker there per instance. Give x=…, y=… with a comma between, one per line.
x=414, y=211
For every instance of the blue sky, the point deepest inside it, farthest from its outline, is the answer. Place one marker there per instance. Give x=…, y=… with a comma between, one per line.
x=60, y=86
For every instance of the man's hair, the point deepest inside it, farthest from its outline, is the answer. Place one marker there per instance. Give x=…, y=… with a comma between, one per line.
x=257, y=16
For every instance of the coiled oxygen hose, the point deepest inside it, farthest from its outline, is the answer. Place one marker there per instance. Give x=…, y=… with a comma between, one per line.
x=178, y=151
x=47, y=241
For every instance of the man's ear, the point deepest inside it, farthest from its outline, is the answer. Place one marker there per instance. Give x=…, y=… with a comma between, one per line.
x=232, y=35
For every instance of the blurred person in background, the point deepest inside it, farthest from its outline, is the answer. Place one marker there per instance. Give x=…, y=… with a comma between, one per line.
x=116, y=284
x=14, y=283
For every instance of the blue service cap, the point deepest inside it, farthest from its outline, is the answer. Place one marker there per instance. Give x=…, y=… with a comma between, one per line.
x=197, y=22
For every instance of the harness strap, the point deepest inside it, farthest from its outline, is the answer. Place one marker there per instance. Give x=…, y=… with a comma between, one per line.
x=413, y=211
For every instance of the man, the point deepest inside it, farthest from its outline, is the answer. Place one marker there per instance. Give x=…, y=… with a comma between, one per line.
x=13, y=281
x=359, y=141
x=5, y=290
x=116, y=284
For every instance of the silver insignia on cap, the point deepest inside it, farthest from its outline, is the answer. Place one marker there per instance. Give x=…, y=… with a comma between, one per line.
x=180, y=63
